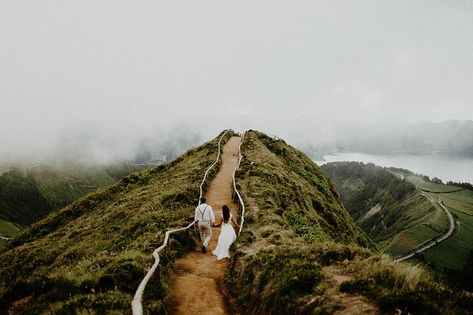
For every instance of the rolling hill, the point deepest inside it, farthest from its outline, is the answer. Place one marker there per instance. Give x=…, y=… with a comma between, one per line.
x=400, y=211
x=28, y=194
x=91, y=255
x=389, y=209
x=299, y=252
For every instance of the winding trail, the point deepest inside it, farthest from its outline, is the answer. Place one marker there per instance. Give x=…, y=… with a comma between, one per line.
x=436, y=240
x=197, y=282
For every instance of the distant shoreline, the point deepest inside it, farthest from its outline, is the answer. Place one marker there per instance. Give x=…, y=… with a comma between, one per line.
x=445, y=167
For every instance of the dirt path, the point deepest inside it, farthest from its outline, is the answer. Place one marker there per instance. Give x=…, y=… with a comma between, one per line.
x=197, y=283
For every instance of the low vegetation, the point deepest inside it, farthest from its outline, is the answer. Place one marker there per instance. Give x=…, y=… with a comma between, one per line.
x=21, y=201
x=388, y=208
x=410, y=219
x=29, y=194
x=90, y=256
x=298, y=239
x=452, y=258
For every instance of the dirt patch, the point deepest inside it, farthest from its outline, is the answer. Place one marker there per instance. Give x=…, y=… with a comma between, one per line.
x=335, y=276
x=197, y=282
x=355, y=304
x=20, y=306
x=344, y=303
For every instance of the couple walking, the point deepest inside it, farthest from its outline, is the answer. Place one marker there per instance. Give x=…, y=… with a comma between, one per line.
x=205, y=220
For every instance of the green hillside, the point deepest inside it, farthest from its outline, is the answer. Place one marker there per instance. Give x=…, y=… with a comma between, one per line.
x=299, y=252
x=26, y=195
x=7, y=228
x=401, y=222
x=21, y=201
x=454, y=252
x=91, y=255
x=65, y=184
x=299, y=242
x=388, y=208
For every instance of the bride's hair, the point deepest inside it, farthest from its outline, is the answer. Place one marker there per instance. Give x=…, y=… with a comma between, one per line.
x=225, y=213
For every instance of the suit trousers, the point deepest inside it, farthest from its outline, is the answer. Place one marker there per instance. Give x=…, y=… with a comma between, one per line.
x=205, y=231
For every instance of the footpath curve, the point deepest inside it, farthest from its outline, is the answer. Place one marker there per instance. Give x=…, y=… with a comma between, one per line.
x=436, y=240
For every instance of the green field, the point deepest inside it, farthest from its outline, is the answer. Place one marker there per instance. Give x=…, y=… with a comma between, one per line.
x=453, y=252
x=64, y=185
x=405, y=218
x=7, y=228
x=420, y=222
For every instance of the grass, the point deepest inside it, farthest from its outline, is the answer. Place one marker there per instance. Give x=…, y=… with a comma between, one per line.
x=7, y=228
x=63, y=185
x=452, y=253
x=91, y=255
x=418, y=222
x=294, y=227
x=405, y=218
x=403, y=287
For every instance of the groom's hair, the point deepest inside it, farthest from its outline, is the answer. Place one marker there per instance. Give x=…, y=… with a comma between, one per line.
x=203, y=200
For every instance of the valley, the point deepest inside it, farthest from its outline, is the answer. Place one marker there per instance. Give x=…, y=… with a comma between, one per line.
x=29, y=193
x=454, y=251
x=430, y=222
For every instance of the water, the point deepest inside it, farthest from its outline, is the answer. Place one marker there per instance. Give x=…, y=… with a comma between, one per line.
x=444, y=167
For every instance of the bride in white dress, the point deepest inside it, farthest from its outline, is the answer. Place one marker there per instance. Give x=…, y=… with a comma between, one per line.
x=227, y=234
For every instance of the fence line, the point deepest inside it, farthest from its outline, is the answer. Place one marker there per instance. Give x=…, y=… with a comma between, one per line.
x=235, y=190
x=136, y=305
x=201, y=193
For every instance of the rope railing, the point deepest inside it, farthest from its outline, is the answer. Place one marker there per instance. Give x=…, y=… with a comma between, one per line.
x=235, y=190
x=201, y=191
x=136, y=305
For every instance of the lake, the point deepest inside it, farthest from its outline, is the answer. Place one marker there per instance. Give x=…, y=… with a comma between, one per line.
x=444, y=167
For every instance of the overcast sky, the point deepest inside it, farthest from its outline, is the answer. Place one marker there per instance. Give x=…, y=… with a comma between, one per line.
x=126, y=69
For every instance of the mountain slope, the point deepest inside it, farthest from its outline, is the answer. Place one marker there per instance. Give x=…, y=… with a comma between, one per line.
x=91, y=255
x=21, y=201
x=388, y=208
x=300, y=252
x=29, y=194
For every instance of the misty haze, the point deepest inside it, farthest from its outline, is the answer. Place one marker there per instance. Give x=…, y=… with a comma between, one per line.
x=100, y=81
x=344, y=128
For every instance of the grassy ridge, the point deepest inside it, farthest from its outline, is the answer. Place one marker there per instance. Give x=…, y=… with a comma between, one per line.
x=91, y=255
x=296, y=230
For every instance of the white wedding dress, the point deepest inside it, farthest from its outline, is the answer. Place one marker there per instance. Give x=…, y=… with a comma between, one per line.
x=226, y=238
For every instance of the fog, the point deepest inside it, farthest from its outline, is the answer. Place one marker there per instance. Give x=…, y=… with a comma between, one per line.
x=102, y=80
